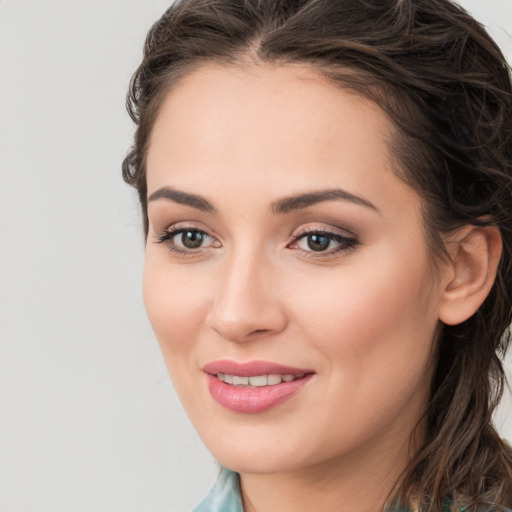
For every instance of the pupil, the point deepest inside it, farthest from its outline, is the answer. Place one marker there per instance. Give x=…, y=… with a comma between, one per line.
x=192, y=239
x=318, y=242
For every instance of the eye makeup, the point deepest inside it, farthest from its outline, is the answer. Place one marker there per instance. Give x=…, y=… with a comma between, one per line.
x=186, y=240
x=316, y=241
x=321, y=243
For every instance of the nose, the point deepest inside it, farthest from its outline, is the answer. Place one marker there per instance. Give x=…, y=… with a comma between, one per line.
x=246, y=304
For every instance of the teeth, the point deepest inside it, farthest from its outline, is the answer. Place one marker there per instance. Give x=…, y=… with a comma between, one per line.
x=274, y=379
x=256, y=381
x=260, y=380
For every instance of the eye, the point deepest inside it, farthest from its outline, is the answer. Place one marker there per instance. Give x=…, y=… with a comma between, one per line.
x=190, y=239
x=186, y=239
x=318, y=243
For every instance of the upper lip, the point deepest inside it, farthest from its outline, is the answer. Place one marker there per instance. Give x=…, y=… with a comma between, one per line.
x=253, y=368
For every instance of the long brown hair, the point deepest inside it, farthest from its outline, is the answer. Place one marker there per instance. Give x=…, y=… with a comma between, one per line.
x=446, y=86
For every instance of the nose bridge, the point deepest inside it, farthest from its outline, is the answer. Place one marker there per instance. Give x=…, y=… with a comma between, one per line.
x=246, y=302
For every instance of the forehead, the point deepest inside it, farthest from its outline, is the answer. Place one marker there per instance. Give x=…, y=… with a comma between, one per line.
x=276, y=109
x=263, y=125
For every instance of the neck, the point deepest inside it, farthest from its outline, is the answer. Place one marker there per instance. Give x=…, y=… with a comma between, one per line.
x=353, y=483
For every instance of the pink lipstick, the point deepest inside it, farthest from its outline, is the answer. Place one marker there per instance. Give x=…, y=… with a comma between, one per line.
x=255, y=386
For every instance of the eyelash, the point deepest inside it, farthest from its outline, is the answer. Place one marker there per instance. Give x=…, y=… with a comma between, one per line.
x=346, y=244
x=169, y=234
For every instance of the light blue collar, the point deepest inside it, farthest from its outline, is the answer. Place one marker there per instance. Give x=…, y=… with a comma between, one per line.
x=224, y=495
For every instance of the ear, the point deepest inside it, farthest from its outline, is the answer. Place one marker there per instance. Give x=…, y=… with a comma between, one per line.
x=474, y=261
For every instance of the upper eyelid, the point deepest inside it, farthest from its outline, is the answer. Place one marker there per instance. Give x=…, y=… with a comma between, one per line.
x=183, y=225
x=176, y=230
x=327, y=234
x=323, y=228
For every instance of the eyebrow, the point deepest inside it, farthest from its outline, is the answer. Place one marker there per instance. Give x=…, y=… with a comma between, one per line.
x=281, y=206
x=193, y=200
x=299, y=201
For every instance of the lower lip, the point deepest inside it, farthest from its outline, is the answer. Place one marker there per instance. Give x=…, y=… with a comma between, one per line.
x=253, y=400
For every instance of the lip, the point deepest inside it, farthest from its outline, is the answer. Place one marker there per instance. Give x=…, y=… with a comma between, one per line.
x=253, y=368
x=253, y=400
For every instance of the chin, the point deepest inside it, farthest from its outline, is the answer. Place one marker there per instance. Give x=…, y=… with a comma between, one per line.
x=263, y=454
x=253, y=462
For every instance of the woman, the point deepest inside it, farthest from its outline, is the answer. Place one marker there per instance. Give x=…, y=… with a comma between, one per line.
x=326, y=192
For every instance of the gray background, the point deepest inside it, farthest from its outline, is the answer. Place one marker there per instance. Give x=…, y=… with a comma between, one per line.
x=88, y=418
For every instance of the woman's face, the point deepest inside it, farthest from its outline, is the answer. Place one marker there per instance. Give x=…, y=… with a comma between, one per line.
x=281, y=242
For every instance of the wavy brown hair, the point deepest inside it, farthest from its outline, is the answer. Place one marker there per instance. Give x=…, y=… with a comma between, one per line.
x=446, y=86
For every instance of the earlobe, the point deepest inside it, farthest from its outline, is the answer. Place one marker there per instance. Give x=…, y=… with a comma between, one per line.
x=473, y=268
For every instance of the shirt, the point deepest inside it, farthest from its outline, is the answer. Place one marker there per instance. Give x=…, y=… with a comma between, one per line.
x=224, y=495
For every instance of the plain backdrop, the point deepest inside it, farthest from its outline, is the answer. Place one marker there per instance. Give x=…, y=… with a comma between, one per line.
x=88, y=418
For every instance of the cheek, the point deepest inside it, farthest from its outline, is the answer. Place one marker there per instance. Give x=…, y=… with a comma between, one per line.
x=373, y=330
x=371, y=318
x=175, y=303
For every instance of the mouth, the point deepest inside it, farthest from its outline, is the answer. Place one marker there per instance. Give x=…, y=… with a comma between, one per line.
x=257, y=381
x=253, y=387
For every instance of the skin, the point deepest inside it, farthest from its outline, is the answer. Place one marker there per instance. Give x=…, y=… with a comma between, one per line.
x=364, y=318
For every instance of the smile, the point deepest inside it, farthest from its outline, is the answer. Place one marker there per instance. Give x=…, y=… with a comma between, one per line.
x=253, y=387
x=256, y=381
